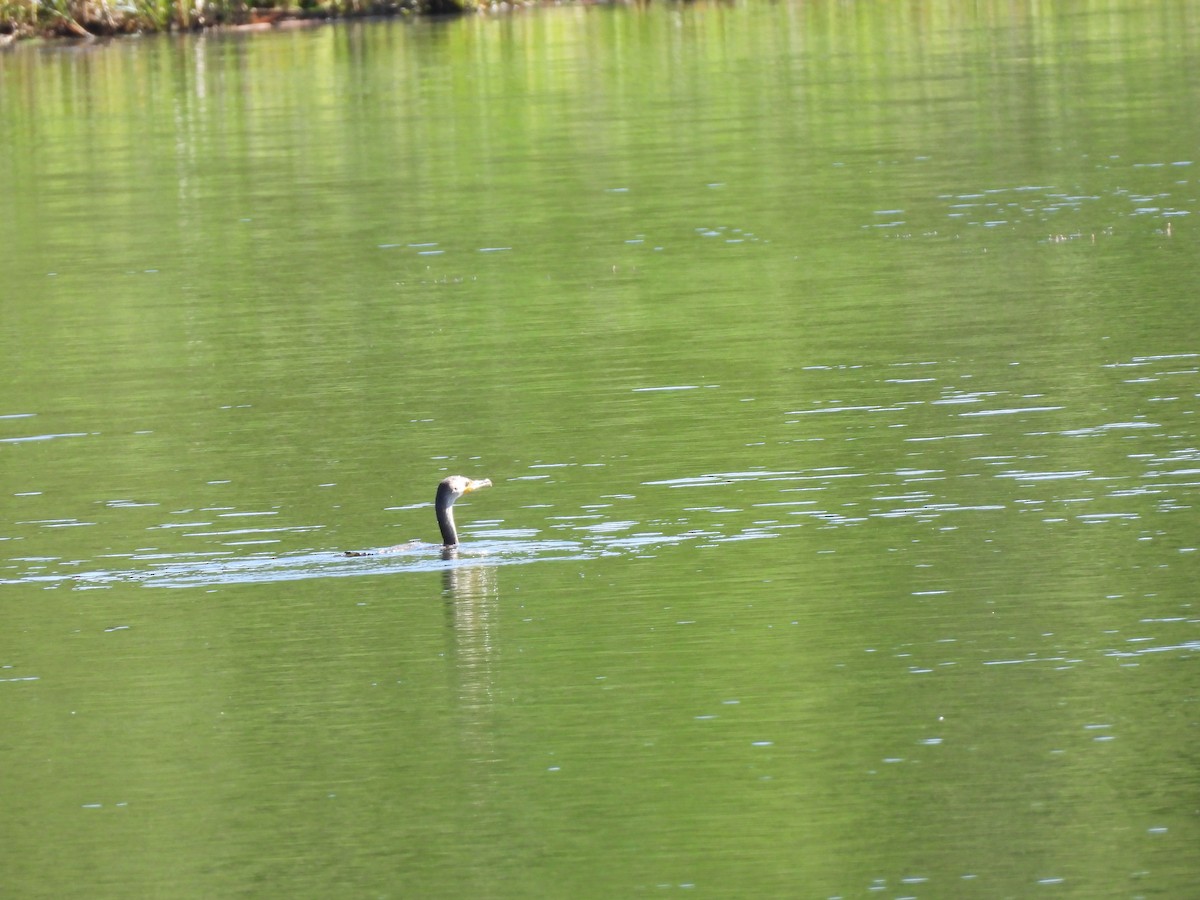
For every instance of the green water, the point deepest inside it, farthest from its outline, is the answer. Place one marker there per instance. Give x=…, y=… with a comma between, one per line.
x=837, y=367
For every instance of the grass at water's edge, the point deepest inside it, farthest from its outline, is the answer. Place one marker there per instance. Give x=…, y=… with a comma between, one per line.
x=95, y=18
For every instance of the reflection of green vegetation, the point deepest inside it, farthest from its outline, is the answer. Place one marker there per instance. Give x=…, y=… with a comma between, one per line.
x=250, y=276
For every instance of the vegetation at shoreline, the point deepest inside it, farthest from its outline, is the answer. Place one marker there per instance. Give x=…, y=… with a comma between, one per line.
x=93, y=18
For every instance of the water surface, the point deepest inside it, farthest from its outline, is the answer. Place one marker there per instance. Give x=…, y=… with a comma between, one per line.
x=837, y=370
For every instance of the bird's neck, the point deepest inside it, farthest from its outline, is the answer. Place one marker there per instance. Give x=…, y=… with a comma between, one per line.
x=445, y=517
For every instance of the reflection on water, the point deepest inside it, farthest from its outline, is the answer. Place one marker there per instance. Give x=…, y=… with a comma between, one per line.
x=472, y=598
x=836, y=365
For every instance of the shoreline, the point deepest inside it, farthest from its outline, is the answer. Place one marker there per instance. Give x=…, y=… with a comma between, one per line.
x=86, y=21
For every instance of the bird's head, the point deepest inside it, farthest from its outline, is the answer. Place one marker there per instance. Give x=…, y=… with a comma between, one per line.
x=455, y=486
